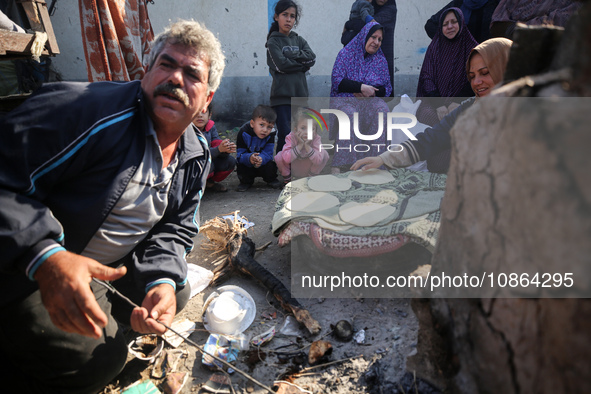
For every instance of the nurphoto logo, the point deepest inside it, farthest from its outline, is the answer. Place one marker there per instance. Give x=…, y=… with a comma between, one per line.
x=395, y=122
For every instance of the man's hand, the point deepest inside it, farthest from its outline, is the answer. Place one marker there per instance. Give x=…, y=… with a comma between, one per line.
x=159, y=304
x=64, y=282
x=367, y=163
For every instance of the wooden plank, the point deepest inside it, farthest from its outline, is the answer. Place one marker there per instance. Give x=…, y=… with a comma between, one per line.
x=51, y=40
x=39, y=20
x=12, y=43
x=31, y=10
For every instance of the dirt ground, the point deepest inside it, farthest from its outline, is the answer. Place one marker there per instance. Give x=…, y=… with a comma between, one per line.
x=389, y=324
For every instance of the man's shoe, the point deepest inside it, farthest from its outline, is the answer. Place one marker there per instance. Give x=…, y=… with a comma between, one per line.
x=275, y=184
x=242, y=187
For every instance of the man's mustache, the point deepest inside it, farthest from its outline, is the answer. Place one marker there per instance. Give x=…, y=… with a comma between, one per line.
x=171, y=90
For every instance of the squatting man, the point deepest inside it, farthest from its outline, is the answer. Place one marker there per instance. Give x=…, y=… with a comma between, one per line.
x=100, y=180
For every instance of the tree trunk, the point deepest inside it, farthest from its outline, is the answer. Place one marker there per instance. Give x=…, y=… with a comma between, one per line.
x=518, y=200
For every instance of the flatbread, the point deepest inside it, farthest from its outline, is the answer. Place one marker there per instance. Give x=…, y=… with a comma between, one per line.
x=329, y=183
x=372, y=177
x=312, y=202
x=331, y=226
x=365, y=214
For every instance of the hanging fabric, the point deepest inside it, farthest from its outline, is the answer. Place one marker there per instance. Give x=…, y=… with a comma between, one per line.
x=116, y=36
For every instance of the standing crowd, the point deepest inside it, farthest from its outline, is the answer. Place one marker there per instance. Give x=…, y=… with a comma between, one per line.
x=101, y=182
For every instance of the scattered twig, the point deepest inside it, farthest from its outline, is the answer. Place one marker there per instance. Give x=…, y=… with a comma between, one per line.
x=259, y=353
x=401, y=388
x=219, y=260
x=294, y=385
x=299, y=349
x=265, y=246
x=300, y=375
x=327, y=364
x=285, y=352
x=230, y=379
x=271, y=305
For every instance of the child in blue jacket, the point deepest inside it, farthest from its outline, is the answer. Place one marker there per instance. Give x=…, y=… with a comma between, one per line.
x=254, y=149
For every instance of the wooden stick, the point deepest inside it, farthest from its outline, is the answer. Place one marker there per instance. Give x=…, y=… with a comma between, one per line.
x=330, y=363
x=241, y=257
x=265, y=246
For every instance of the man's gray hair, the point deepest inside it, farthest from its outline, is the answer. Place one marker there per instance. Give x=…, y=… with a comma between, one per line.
x=193, y=35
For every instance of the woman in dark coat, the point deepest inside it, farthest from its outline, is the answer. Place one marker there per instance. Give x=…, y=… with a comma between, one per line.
x=477, y=14
x=385, y=14
x=443, y=75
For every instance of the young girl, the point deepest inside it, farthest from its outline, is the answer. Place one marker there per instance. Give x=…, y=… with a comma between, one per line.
x=289, y=57
x=222, y=163
x=300, y=156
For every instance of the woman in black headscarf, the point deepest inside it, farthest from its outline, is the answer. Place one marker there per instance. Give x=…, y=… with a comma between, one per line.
x=477, y=15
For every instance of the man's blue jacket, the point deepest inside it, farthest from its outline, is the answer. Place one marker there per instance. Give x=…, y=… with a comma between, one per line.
x=66, y=156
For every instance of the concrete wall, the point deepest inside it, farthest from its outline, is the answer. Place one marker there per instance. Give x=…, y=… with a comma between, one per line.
x=242, y=27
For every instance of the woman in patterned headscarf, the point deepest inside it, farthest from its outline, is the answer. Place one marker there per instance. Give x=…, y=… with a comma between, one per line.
x=360, y=71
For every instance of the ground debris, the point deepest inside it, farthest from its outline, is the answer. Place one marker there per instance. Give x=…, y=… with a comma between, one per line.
x=253, y=357
x=241, y=258
x=319, y=351
x=377, y=383
x=343, y=330
x=220, y=231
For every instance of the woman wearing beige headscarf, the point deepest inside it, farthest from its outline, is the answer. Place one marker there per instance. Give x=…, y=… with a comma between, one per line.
x=492, y=56
x=485, y=69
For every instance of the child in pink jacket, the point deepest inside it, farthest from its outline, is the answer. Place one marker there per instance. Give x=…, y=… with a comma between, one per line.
x=301, y=156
